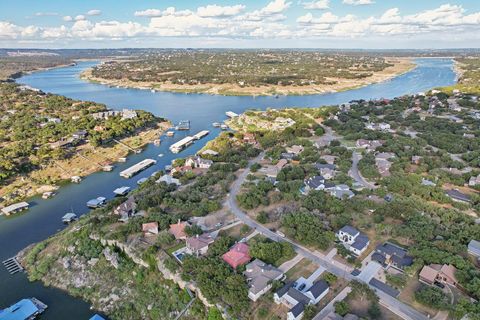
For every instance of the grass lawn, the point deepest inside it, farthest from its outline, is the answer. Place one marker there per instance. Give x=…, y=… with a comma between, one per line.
x=302, y=269
x=171, y=250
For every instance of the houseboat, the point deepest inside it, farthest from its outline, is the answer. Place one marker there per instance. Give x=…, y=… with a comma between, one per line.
x=216, y=124
x=183, y=125
x=96, y=203
x=25, y=309
x=48, y=195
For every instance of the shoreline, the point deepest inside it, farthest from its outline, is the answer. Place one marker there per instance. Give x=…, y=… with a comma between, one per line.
x=29, y=186
x=407, y=64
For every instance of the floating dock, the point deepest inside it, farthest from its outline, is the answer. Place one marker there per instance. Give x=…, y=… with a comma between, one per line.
x=121, y=191
x=201, y=134
x=12, y=265
x=69, y=217
x=183, y=125
x=96, y=203
x=16, y=207
x=179, y=145
x=231, y=114
x=133, y=170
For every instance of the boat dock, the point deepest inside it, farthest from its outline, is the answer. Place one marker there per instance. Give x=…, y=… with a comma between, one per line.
x=12, y=265
x=25, y=309
x=69, y=217
x=179, y=145
x=121, y=191
x=136, y=168
x=96, y=203
x=183, y=125
x=201, y=134
x=231, y=114
x=16, y=207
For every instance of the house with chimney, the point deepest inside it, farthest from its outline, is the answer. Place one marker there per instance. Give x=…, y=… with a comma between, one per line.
x=198, y=244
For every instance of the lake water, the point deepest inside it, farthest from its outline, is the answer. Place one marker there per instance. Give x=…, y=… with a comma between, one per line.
x=43, y=219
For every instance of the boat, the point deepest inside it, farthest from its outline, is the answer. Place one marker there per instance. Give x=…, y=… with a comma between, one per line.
x=160, y=155
x=231, y=114
x=170, y=133
x=157, y=142
x=216, y=124
x=76, y=179
x=152, y=91
x=224, y=127
x=122, y=159
x=48, y=195
x=201, y=134
x=69, y=217
x=107, y=168
x=140, y=181
x=25, y=309
x=96, y=203
x=121, y=191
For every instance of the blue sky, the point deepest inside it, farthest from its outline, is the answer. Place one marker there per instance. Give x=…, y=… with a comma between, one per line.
x=237, y=23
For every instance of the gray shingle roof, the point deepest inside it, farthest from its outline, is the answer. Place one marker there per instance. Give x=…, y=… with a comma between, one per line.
x=318, y=288
x=349, y=230
x=360, y=242
x=297, y=309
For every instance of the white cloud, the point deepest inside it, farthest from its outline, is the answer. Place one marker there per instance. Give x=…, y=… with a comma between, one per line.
x=94, y=12
x=317, y=5
x=46, y=14
x=219, y=11
x=148, y=13
x=80, y=17
x=326, y=18
x=358, y=2
x=67, y=18
x=276, y=6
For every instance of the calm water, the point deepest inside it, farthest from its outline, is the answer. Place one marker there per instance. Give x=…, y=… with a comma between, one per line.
x=43, y=219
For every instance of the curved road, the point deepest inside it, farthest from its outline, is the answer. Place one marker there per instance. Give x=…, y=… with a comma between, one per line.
x=355, y=173
x=340, y=270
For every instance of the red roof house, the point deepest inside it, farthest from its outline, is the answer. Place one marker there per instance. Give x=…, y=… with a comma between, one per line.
x=178, y=230
x=238, y=255
x=150, y=228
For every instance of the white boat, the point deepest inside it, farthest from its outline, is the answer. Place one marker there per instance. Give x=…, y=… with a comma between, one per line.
x=48, y=194
x=224, y=127
x=160, y=155
x=216, y=124
x=157, y=142
x=170, y=133
x=69, y=217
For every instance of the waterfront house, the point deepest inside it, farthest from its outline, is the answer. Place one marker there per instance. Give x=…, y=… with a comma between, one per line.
x=150, y=229
x=178, y=230
x=391, y=255
x=198, y=244
x=436, y=273
x=260, y=277
x=126, y=209
x=168, y=179
x=353, y=240
x=238, y=255
x=197, y=162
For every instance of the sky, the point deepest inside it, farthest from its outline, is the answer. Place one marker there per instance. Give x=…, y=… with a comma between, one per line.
x=368, y=24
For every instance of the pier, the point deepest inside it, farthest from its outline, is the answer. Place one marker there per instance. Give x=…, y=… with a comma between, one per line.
x=12, y=265
x=136, y=168
x=179, y=145
x=201, y=134
x=231, y=114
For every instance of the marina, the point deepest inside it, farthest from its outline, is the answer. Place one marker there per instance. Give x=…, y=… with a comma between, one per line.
x=12, y=265
x=25, y=309
x=136, y=168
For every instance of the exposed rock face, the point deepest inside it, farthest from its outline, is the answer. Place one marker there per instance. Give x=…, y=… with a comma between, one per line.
x=111, y=257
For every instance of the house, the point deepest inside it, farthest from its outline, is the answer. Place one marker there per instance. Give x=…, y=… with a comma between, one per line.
x=178, y=230
x=297, y=299
x=181, y=169
x=382, y=163
x=352, y=239
x=295, y=149
x=327, y=170
x=150, y=229
x=340, y=191
x=287, y=156
x=198, y=244
x=474, y=181
x=126, y=209
x=370, y=145
x=249, y=138
x=281, y=163
x=328, y=158
x=238, y=255
x=474, y=248
x=128, y=114
x=79, y=135
x=458, y=196
x=389, y=254
x=198, y=162
x=314, y=183
x=426, y=182
x=168, y=179
x=210, y=152
x=434, y=273
x=259, y=277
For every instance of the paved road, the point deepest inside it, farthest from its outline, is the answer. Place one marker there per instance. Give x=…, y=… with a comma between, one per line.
x=355, y=173
x=336, y=268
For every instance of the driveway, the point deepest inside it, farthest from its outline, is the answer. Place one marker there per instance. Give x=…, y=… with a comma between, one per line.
x=369, y=271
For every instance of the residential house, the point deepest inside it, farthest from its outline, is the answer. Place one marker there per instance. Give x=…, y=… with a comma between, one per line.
x=326, y=170
x=315, y=183
x=295, y=149
x=389, y=254
x=434, y=273
x=340, y=191
x=238, y=255
x=128, y=114
x=328, y=158
x=198, y=162
x=416, y=159
x=126, y=210
x=80, y=134
x=474, y=181
x=426, y=182
x=150, y=229
x=474, y=248
x=249, y=138
x=457, y=195
x=297, y=300
x=370, y=145
x=181, y=169
x=352, y=239
x=198, y=244
x=178, y=230
x=287, y=156
x=168, y=179
x=260, y=277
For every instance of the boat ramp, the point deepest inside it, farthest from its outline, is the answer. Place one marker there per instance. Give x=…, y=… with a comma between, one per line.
x=12, y=265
